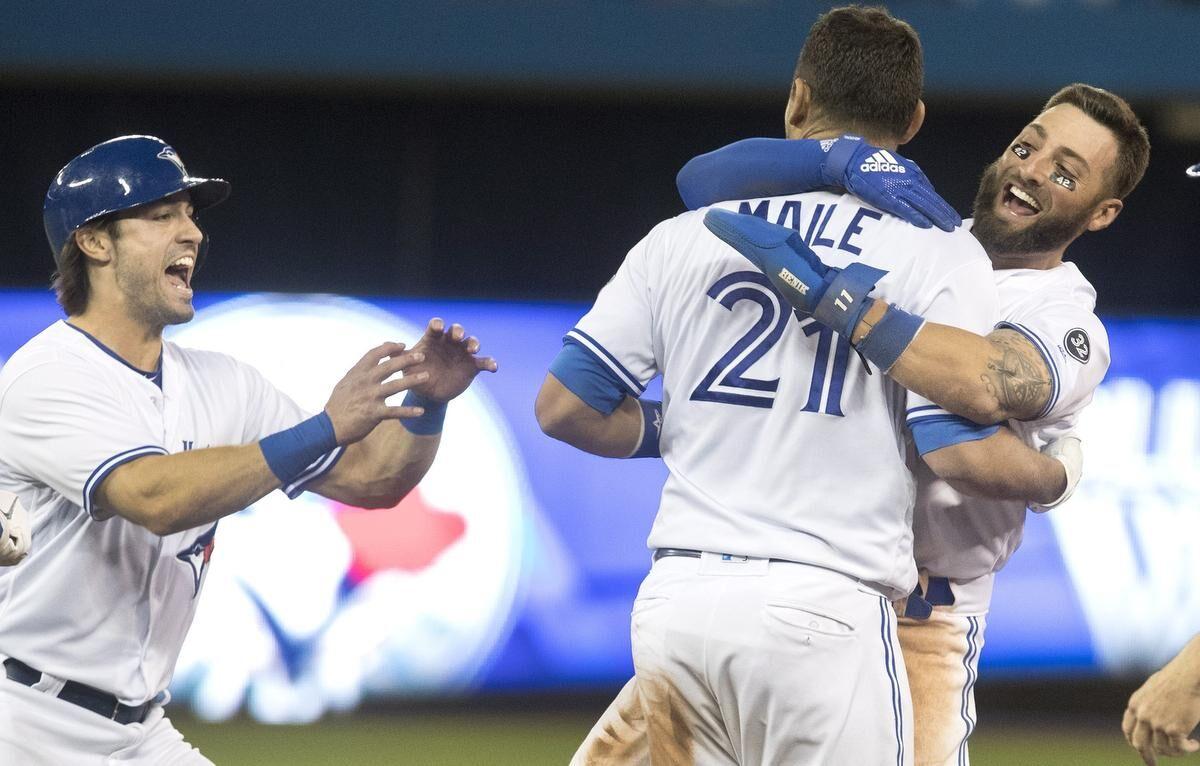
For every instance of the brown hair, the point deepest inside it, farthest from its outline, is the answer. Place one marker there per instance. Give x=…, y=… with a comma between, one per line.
x=70, y=280
x=1114, y=113
x=864, y=68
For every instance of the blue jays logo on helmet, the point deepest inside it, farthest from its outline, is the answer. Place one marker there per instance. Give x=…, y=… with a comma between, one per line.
x=197, y=555
x=169, y=155
x=119, y=174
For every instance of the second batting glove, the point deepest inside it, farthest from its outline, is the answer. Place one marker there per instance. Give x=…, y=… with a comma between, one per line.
x=834, y=297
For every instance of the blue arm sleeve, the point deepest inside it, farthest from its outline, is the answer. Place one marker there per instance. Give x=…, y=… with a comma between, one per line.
x=588, y=378
x=930, y=434
x=754, y=167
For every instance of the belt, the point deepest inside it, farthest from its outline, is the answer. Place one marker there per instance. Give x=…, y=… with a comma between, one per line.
x=87, y=697
x=687, y=553
x=662, y=553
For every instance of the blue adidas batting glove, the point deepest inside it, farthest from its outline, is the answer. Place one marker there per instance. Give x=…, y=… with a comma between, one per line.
x=836, y=298
x=889, y=182
x=772, y=167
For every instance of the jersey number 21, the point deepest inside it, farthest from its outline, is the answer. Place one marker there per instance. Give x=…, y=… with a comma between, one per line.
x=726, y=382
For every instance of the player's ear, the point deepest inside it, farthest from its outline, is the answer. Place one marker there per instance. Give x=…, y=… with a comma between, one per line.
x=1105, y=213
x=798, y=107
x=95, y=243
x=914, y=124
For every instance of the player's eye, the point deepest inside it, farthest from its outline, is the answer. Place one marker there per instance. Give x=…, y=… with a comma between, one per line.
x=1021, y=150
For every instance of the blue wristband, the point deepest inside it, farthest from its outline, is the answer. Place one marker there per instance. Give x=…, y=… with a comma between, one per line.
x=431, y=422
x=651, y=427
x=290, y=452
x=888, y=339
x=838, y=158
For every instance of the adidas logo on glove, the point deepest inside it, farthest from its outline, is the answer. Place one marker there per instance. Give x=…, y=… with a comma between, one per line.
x=882, y=161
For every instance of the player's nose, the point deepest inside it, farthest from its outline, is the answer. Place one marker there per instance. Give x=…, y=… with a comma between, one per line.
x=191, y=231
x=1035, y=171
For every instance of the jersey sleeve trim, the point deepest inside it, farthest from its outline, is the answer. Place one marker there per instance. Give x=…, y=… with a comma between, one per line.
x=1055, y=380
x=592, y=345
x=102, y=471
x=924, y=412
x=315, y=470
x=935, y=433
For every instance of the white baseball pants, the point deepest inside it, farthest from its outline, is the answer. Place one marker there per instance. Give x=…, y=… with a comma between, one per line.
x=941, y=654
x=754, y=662
x=37, y=728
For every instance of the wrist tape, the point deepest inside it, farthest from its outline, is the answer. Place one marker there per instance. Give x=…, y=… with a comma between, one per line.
x=291, y=451
x=651, y=426
x=888, y=339
x=431, y=422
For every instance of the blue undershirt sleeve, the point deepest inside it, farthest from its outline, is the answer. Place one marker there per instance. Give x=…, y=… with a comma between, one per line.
x=588, y=378
x=934, y=433
x=751, y=168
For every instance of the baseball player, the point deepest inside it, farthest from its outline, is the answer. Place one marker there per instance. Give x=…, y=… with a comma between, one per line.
x=126, y=450
x=1066, y=172
x=764, y=632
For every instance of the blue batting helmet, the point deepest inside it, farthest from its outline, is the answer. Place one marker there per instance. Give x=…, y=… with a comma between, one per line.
x=119, y=174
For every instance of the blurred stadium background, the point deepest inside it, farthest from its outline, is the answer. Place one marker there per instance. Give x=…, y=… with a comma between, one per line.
x=491, y=162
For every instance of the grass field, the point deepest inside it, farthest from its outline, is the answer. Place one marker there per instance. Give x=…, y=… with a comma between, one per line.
x=490, y=738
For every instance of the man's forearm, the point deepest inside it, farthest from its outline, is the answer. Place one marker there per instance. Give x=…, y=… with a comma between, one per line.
x=985, y=379
x=171, y=493
x=380, y=470
x=563, y=416
x=1001, y=467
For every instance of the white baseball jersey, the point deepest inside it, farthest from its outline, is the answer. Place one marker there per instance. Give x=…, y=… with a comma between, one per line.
x=779, y=444
x=99, y=600
x=968, y=537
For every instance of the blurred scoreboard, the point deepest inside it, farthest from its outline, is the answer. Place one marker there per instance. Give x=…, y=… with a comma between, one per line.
x=514, y=565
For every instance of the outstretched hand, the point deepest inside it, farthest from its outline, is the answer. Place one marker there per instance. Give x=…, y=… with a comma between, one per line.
x=449, y=361
x=1162, y=716
x=358, y=402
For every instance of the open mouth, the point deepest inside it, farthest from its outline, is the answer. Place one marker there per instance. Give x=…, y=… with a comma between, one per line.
x=1019, y=202
x=179, y=273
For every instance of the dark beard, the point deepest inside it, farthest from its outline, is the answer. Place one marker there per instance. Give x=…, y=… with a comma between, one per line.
x=1048, y=233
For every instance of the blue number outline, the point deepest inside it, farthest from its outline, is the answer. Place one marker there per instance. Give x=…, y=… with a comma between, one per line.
x=730, y=369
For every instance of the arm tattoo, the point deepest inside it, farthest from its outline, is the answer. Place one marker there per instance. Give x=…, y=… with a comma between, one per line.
x=1016, y=375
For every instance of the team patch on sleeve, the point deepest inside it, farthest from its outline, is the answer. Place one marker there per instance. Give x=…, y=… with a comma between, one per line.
x=1078, y=346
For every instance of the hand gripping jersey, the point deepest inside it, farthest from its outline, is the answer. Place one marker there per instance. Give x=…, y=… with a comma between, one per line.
x=778, y=442
x=100, y=600
x=968, y=537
